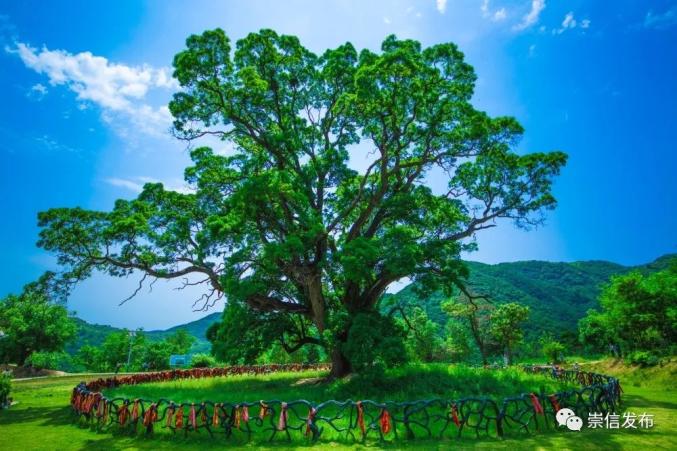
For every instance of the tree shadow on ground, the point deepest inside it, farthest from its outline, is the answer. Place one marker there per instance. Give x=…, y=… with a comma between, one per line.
x=641, y=401
x=44, y=416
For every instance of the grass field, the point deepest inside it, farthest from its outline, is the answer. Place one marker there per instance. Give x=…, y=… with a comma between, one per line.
x=43, y=421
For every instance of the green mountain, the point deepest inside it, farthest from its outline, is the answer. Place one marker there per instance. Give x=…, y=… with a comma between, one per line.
x=558, y=294
x=95, y=334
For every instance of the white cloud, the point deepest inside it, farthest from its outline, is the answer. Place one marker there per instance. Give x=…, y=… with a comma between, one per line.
x=569, y=23
x=135, y=184
x=532, y=50
x=37, y=92
x=485, y=8
x=441, y=5
x=386, y=20
x=119, y=90
x=497, y=16
x=531, y=18
x=661, y=21
x=52, y=145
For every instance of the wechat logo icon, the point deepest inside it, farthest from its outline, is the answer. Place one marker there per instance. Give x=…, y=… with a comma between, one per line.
x=568, y=418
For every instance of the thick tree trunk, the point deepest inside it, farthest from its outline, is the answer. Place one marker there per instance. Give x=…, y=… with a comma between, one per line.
x=340, y=365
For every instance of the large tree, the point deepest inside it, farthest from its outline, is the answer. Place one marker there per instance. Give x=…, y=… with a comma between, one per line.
x=281, y=222
x=34, y=321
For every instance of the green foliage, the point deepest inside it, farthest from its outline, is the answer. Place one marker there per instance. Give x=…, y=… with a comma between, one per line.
x=114, y=352
x=457, y=340
x=642, y=358
x=243, y=334
x=202, y=361
x=180, y=342
x=374, y=343
x=5, y=388
x=638, y=313
x=51, y=361
x=34, y=321
x=423, y=340
x=552, y=349
x=475, y=313
x=506, y=326
x=156, y=355
x=283, y=224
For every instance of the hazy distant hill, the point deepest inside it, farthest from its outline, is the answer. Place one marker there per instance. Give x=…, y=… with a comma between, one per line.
x=95, y=334
x=559, y=294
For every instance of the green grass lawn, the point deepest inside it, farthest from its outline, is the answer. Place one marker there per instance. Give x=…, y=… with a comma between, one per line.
x=43, y=419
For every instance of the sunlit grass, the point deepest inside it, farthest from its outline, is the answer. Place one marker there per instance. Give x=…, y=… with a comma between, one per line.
x=43, y=421
x=403, y=384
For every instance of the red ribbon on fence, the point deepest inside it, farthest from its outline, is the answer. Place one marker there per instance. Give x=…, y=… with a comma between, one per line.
x=179, y=418
x=203, y=413
x=170, y=416
x=263, y=411
x=554, y=402
x=238, y=417
x=123, y=413
x=135, y=410
x=360, y=417
x=536, y=403
x=192, y=417
x=309, y=421
x=454, y=415
x=282, y=421
x=215, y=417
x=386, y=425
x=150, y=417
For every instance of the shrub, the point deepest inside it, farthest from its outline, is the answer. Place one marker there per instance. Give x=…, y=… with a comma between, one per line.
x=553, y=350
x=5, y=387
x=375, y=342
x=642, y=358
x=202, y=361
x=50, y=361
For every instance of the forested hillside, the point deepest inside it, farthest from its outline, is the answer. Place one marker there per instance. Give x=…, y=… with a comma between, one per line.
x=558, y=294
x=95, y=334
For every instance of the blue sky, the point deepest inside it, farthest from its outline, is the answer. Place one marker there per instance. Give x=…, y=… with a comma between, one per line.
x=83, y=119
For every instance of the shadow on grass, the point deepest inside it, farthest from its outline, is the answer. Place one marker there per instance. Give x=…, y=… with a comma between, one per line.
x=641, y=401
x=44, y=416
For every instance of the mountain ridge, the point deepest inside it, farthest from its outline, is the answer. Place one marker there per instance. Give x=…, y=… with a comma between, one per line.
x=558, y=294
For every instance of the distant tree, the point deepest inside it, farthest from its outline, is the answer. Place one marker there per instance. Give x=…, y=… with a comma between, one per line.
x=506, y=326
x=475, y=311
x=180, y=341
x=595, y=333
x=156, y=354
x=637, y=313
x=552, y=349
x=456, y=341
x=283, y=225
x=423, y=340
x=202, y=361
x=34, y=321
x=91, y=358
x=115, y=350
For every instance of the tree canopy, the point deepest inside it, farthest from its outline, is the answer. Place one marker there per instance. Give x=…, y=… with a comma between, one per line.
x=33, y=321
x=283, y=223
x=638, y=313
